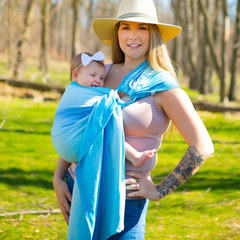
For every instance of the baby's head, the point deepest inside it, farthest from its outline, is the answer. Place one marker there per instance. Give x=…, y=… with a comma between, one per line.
x=88, y=70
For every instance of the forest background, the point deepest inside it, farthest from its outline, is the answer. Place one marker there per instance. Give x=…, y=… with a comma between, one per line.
x=207, y=48
x=38, y=40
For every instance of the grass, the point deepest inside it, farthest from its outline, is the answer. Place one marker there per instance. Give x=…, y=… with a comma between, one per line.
x=206, y=207
x=58, y=70
x=26, y=171
x=59, y=73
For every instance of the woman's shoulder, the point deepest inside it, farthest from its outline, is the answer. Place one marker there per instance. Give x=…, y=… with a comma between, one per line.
x=111, y=67
x=113, y=75
x=173, y=97
x=108, y=66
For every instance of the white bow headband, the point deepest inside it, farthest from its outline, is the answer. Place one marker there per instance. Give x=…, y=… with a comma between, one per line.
x=87, y=59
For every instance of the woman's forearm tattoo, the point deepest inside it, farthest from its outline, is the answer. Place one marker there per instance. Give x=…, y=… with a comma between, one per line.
x=170, y=182
x=186, y=167
x=189, y=162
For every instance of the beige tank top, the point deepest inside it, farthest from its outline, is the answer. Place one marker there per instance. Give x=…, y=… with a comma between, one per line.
x=144, y=126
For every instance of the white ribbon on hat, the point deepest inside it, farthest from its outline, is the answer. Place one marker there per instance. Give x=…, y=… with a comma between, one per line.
x=96, y=57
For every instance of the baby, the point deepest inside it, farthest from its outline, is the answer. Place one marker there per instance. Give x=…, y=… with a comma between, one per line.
x=88, y=71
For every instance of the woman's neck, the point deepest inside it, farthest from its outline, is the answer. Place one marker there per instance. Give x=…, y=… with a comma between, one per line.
x=131, y=64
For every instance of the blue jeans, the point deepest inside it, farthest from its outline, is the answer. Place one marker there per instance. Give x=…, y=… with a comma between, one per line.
x=134, y=220
x=69, y=180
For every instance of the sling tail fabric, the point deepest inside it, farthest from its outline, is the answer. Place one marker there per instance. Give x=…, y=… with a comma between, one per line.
x=88, y=129
x=85, y=120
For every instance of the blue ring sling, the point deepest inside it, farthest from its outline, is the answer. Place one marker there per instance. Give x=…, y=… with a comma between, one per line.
x=88, y=129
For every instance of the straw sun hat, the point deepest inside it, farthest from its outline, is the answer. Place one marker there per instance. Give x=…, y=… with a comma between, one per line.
x=143, y=11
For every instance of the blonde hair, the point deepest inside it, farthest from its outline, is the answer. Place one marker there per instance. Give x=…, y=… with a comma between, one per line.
x=77, y=62
x=158, y=57
x=118, y=55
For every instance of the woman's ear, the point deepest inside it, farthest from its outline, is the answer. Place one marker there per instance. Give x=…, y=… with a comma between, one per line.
x=75, y=75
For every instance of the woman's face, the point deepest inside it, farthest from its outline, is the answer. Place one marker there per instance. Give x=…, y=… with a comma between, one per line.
x=134, y=40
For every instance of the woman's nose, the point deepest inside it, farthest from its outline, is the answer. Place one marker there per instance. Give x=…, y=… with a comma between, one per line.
x=133, y=37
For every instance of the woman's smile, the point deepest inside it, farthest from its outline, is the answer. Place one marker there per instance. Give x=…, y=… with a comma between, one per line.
x=134, y=40
x=134, y=45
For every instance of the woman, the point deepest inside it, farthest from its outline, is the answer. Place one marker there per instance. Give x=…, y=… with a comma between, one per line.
x=136, y=36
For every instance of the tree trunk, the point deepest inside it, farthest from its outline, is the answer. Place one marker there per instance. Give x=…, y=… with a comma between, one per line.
x=22, y=38
x=217, y=9
x=53, y=26
x=207, y=106
x=183, y=19
x=61, y=20
x=203, y=60
x=175, y=42
x=224, y=52
x=10, y=31
x=203, y=84
x=194, y=83
x=74, y=27
x=33, y=85
x=232, y=92
x=210, y=38
x=68, y=32
x=43, y=54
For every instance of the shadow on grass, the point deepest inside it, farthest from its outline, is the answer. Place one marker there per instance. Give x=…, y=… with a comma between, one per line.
x=216, y=180
x=24, y=131
x=17, y=177
x=214, y=142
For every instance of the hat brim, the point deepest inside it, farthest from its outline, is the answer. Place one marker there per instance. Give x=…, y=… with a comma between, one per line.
x=104, y=28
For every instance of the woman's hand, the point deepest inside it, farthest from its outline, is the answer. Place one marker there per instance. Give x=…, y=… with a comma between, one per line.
x=61, y=188
x=63, y=197
x=142, y=186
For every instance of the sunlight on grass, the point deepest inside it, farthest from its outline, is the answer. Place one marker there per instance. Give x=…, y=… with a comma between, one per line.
x=210, y=198
x=205, y=207
x=59, y=73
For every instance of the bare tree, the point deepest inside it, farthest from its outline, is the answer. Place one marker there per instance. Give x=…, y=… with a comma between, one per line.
x=202, y=48
x=60, y=29
x=10, y=31
x=218, y=65
x=183, y=12
x=216, y=13
x=74, y=26
x=203, y=66
x=232, y=91
x=43, y=53
x=224, y=52
x=53, y=28
x=68, y=31
x=174, y=49
x=95, y=9
x=22, y=37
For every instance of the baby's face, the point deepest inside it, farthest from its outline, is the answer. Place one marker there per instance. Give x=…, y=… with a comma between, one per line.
x=91, y=75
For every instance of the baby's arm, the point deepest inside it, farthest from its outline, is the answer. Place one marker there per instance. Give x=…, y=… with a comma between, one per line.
x=135, y=157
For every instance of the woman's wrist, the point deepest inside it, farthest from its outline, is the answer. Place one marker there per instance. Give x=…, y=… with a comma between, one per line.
x=167, y=185
x=61, y=170
x=186, y=168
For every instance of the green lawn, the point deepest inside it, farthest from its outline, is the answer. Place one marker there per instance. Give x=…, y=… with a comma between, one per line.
x=206, y=207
